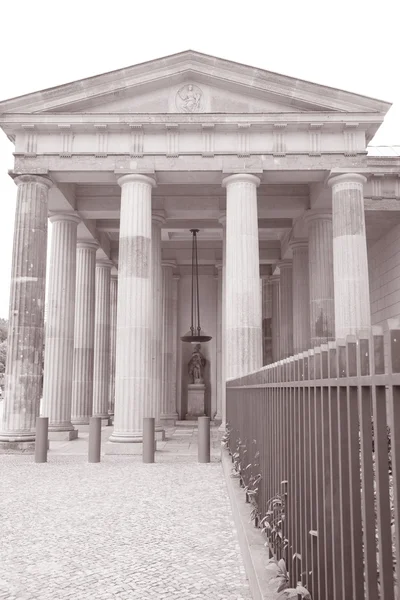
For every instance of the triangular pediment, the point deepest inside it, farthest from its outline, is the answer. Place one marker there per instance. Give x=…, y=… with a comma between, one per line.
x=190, y=96
x=191, y=82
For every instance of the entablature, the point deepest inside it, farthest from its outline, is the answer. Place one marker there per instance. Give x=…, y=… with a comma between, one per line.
x=174, y=135
x=91, y=169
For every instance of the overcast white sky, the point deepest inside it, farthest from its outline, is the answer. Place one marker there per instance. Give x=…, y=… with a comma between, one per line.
x=348, y=44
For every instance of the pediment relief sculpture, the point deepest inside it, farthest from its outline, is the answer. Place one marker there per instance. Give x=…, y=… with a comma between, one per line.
x=189, y=99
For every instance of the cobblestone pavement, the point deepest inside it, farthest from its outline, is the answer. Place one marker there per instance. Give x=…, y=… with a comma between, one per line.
x=119, y=529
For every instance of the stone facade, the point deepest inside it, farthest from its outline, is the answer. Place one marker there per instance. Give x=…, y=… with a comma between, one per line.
x=278, y=182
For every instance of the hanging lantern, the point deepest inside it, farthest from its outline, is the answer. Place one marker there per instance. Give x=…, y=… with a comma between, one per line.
x=195, y=334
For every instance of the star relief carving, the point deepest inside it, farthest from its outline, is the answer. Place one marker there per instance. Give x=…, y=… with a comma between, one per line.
x=189, y=98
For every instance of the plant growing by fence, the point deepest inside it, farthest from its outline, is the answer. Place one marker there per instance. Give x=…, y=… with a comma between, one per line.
x=272, y=526
x=284, y=590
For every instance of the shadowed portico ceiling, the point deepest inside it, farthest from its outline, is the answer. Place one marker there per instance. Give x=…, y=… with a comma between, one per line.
x=187, y=206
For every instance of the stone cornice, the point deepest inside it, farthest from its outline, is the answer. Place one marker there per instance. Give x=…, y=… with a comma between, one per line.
x=120, y=121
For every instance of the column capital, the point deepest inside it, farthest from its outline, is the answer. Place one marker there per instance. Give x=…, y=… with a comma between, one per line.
x=104, y=262
x=114, y=273
x=317, y=215
x=241, y=178
x=298, y=243
x=89, y=244
x=158, y=217
x=350, y=178
x=219, y=265
x=284, y=264
x=19, y=179
x=222, y=219
x=64, y=217
x=171, y=264
x=274, y=279
x=136, y=178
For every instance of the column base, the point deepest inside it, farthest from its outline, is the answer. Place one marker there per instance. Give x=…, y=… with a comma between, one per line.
x=169, y=419
x=124, y=448
x=169, y=422
x=61, y=436
x=194, y=417
x=80, y=422
x=105, y=420
x=160, y=433
x=17, y=447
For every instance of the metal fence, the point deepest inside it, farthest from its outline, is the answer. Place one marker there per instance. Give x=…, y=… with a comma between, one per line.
x=309, y=439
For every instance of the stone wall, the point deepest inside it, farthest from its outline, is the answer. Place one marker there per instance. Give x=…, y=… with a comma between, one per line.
x=384, y=278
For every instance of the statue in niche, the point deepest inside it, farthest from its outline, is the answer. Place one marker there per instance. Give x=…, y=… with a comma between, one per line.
x=196, y=365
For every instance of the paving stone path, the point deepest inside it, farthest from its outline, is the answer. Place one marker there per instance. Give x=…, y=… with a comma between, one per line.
x=119, y=529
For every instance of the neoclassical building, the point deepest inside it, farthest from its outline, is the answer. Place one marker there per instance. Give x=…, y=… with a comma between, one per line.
x=299, y=237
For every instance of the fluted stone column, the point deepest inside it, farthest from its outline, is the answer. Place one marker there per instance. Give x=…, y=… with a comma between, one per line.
x=82, y=380
x=320, y=255
x=168, y=414
x=156, y=323
x=59, y=345
x=276, y=320
x=134, y=313
x=175, y=341
x=220, y=381
x=222, y=376
x=113, y=337
x=350, y=261
x=266, y=310
x=301, y=297
x=286, y=308
x=243, y=305
x=26, y=316
x=102, y=318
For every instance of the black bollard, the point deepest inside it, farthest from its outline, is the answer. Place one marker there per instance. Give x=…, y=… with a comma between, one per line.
x=204, y=439
x=41, y=441
x=149, y=443
x=94, y=439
